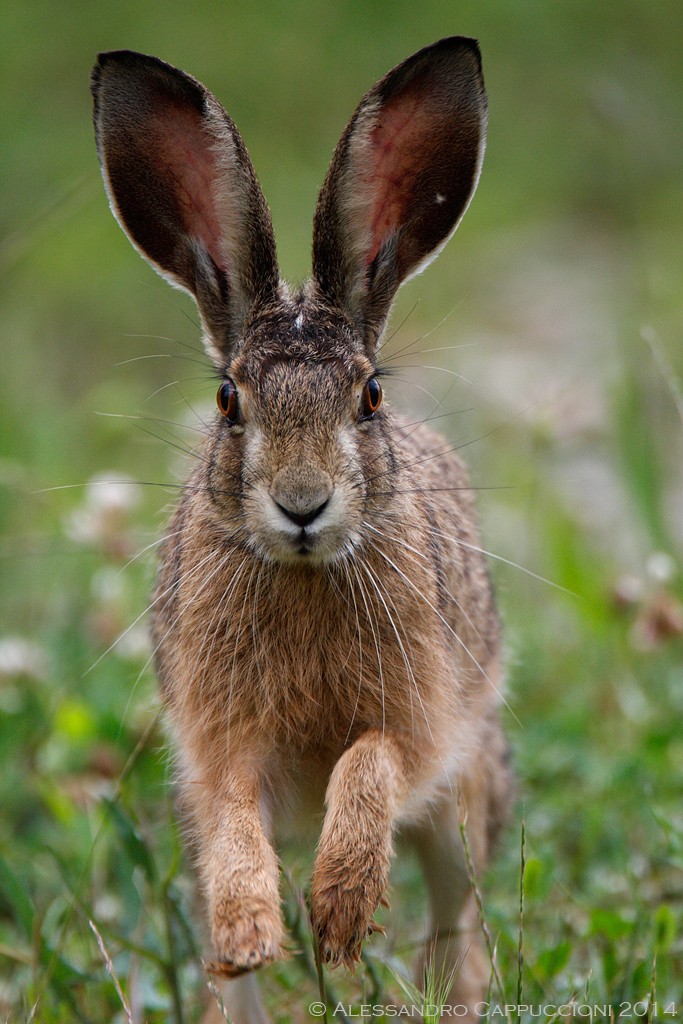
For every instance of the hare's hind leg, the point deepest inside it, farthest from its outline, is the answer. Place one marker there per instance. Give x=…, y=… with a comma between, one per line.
x=455, y=948
x=242, y=1001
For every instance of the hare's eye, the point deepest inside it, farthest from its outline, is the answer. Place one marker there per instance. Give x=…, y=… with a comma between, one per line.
x=372, y=398
x=227, y=401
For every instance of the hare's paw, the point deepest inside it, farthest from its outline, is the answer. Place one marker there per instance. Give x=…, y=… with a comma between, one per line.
x=341, y=916
x=245, y=936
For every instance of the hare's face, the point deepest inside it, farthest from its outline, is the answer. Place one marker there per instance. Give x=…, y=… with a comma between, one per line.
x=304, y=433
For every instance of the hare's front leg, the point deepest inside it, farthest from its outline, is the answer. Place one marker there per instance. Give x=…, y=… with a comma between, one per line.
x=352, y=864
x=239, y=868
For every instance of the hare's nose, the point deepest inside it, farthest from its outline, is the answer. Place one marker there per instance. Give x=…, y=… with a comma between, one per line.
x=301, y=493
x=303, y=518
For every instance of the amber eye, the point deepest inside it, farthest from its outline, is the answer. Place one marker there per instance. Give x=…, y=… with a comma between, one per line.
x=227, y=401
x=372, y=398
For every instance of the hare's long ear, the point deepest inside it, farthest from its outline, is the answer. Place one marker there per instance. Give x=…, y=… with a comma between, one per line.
x=182, y=186
x=401, y=178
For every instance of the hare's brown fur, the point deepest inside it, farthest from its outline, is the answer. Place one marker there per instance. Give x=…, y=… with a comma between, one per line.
x=323, y=618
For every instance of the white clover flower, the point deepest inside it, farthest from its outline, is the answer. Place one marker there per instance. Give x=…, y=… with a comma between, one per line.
x=20, y=657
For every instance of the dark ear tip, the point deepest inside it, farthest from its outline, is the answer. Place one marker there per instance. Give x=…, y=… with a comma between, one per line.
x=452, y=54
x=452, y=47
x=130, y=59
x=453, y=44
x=119, y=57
x=456, y=43
x=147, y=69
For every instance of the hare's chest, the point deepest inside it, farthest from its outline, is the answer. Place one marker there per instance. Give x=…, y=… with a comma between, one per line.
x=316, y=680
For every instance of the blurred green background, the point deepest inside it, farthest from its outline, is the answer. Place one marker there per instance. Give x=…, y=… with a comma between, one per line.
x=549, y=331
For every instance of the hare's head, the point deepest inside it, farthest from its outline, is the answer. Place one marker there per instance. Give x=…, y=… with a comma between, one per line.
x=302, y=451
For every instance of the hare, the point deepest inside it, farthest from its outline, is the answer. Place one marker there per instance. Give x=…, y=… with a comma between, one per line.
x=325, y=631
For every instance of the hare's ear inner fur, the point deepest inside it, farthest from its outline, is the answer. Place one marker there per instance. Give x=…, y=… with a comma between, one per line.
x=182, y=186
x=401, y=178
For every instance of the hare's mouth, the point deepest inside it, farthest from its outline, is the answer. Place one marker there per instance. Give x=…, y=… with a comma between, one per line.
x=305, y=547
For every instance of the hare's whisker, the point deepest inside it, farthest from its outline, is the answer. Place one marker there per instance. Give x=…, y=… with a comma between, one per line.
x=411, y=675
x=408, y=465
x=161, y=355
x=450, y=630
x=372, y=623
x=329, y=573
x=150, y=606
x=445, y=490
x=515, y=565
x=414, y=384
x=424, y=562
x=192, y=409
x=254, y=623
x=427, y=366
x=407, y=433
x=175, y=443
x=344, y=565
x=450, y=448
x=175, y=383
x=221, y=604
x=499, y=558
x=186, y=578
x=233, y=670
x=148, y=547
x=427, y=334
x=404, y=321
x=152, y=419
x=172, y=341
x=440, y=348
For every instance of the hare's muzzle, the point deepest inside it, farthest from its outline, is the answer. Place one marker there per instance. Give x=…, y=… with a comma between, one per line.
x=301, y=493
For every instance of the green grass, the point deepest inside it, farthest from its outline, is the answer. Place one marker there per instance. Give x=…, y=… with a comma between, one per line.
x=564, y=281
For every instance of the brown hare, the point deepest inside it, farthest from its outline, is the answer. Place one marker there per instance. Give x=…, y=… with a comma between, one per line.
x=324, y=626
